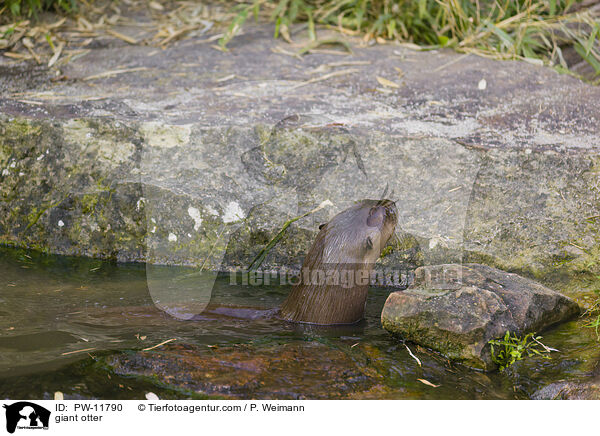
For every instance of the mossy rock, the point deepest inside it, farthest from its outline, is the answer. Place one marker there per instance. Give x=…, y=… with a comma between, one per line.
x=457, y=309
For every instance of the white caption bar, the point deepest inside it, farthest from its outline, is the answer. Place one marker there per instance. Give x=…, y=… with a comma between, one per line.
x=312, y=418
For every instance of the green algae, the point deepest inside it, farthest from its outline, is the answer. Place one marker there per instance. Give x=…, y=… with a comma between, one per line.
x=36, y=213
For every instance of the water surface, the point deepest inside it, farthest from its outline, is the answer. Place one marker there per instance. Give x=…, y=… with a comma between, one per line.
x=63, y=320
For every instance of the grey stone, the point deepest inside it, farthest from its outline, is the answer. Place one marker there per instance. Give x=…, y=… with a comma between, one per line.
x=169, y=164
x=457, y=309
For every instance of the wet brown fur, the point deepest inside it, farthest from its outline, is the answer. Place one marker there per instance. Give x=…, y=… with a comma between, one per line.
x=341, y=246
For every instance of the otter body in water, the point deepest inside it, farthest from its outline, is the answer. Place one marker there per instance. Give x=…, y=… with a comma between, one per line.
x=335, y=274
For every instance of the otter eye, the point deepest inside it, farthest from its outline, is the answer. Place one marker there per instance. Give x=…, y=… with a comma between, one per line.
x=322, y=225
x=369, y=243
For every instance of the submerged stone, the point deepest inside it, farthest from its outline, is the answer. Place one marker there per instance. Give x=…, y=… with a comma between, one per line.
x=569, y=390
x=282, y=371
x=457, y=309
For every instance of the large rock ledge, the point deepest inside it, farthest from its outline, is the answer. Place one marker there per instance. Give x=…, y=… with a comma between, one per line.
x=457, y=309
x=174, y=165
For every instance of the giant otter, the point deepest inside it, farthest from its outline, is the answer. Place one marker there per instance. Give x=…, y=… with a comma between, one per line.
x=335, y=274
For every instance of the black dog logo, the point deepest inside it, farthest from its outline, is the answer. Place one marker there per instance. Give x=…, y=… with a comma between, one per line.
x=26, y=415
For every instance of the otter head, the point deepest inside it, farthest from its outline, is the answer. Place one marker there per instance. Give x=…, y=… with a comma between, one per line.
x=358, y=234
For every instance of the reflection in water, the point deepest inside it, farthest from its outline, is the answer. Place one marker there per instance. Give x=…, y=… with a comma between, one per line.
x=61, y=317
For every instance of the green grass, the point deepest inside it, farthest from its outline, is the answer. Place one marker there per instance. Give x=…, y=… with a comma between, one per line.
x=594, y=313
x=514, y=348
x=503, y=29
x=532, y=30
x=33, y=7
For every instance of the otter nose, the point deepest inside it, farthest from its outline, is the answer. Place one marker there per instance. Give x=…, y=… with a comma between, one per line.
x=391, y=211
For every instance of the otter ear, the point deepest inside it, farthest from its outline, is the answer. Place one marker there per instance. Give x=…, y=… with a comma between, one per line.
x=322, y=225
x=375, y=217
x=369, y=243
